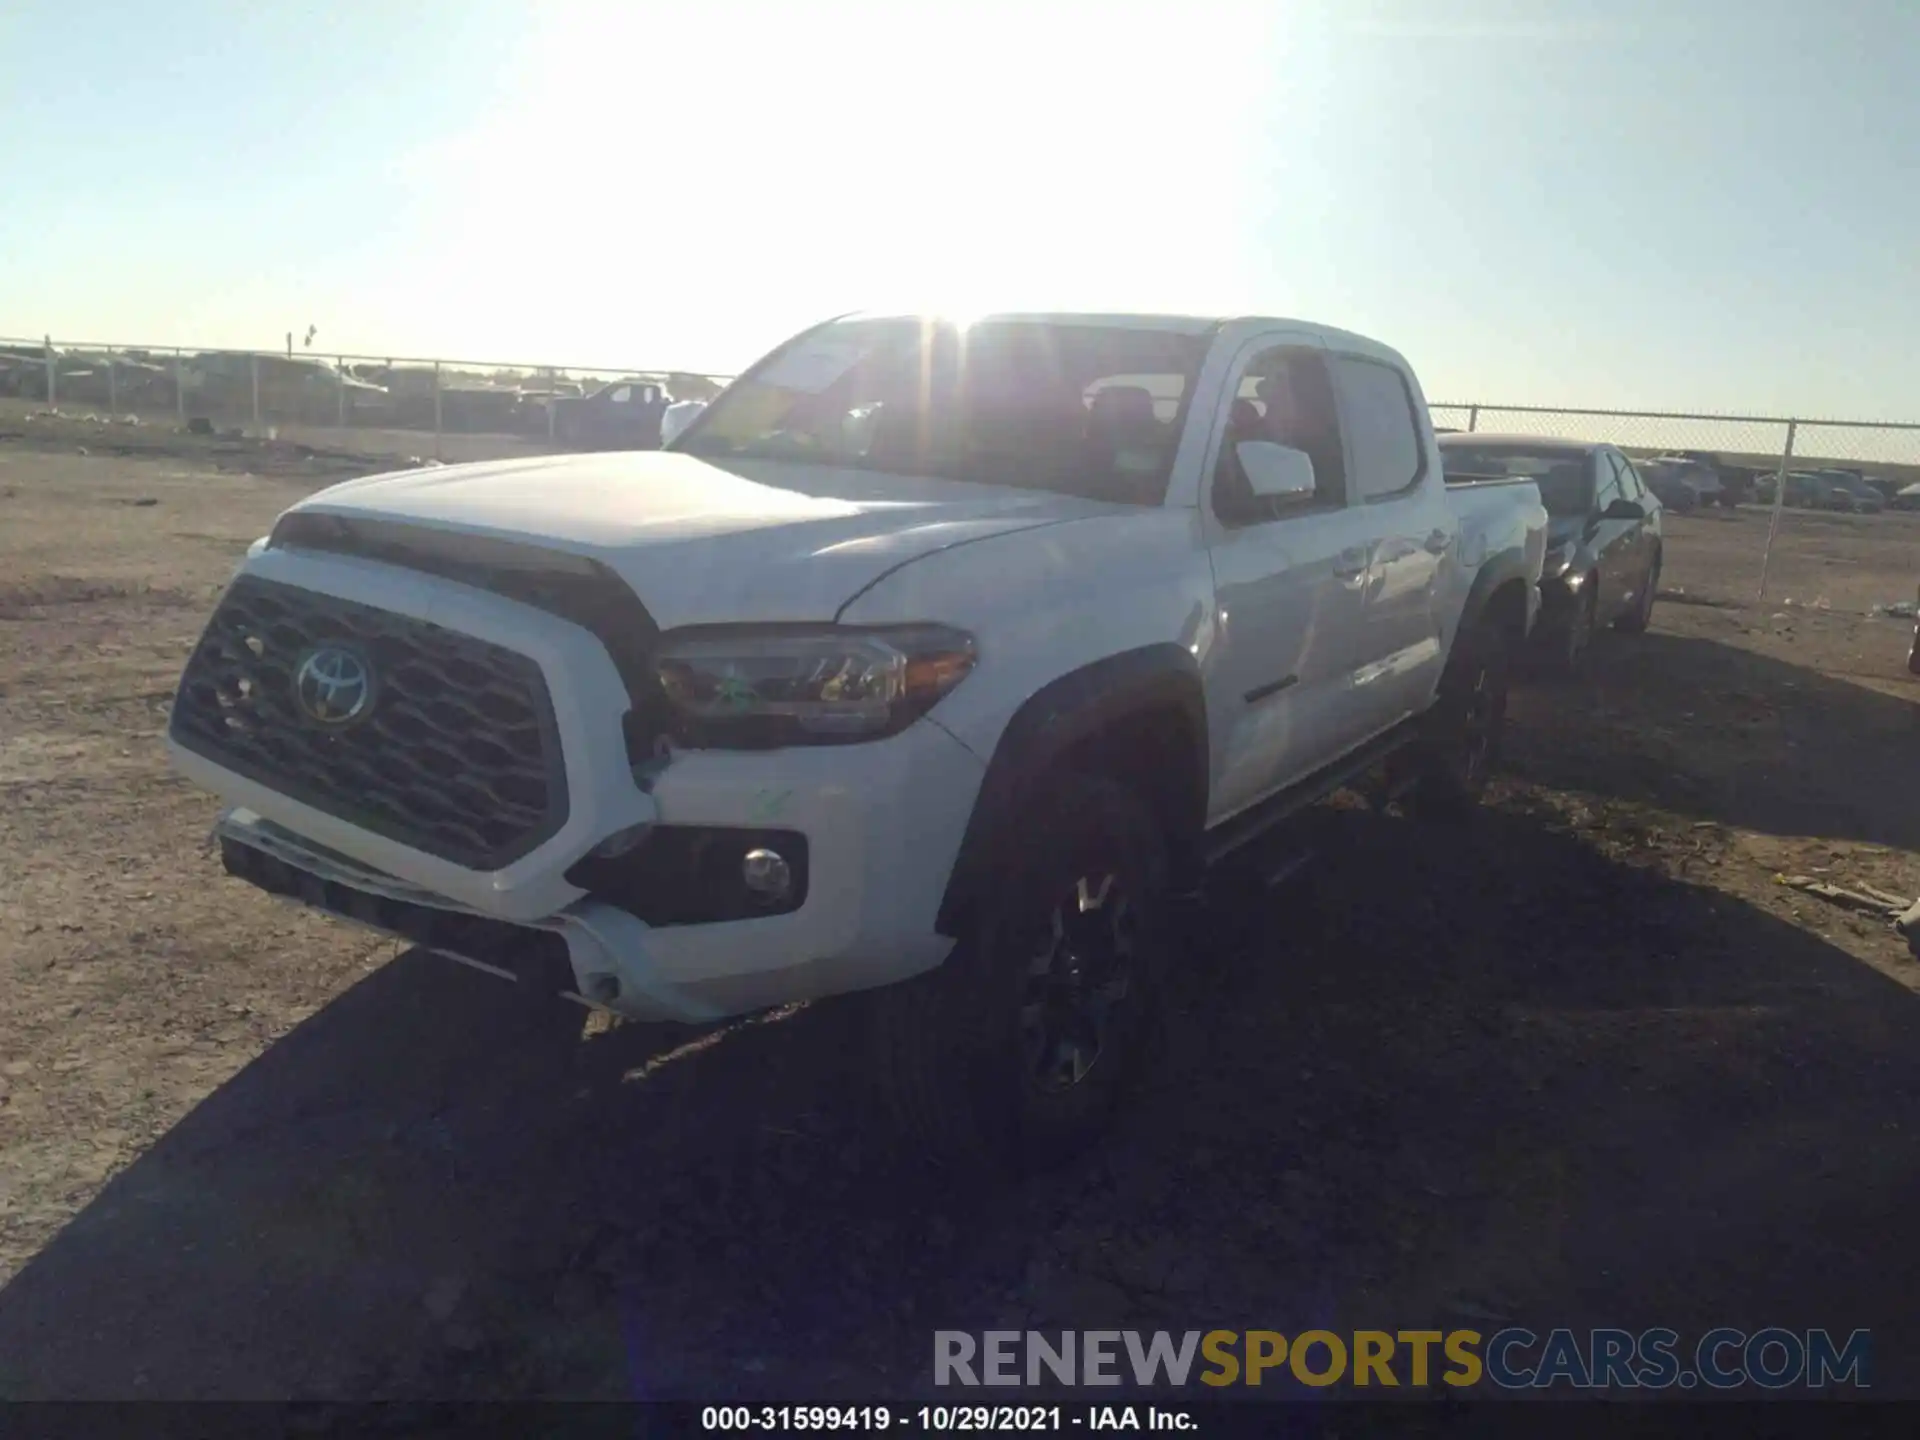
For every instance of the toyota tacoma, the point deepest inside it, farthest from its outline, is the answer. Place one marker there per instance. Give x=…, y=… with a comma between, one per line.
x=931, y=661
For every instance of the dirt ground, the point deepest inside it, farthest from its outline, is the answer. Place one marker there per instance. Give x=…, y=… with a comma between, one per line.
x=1585, y=1063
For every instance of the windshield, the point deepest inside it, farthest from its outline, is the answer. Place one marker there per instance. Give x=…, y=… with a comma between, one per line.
x=1090, y=410
x=1564, y=477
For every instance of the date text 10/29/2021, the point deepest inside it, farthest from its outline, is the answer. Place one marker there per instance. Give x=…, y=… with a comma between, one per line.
x=943, y=1419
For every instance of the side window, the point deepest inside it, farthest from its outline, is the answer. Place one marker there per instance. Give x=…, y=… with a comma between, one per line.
x=1623, y=485
x=621, y=395
x=1383, y=436
x=1635, y=487
x=1608, y=489
x=1286, y=396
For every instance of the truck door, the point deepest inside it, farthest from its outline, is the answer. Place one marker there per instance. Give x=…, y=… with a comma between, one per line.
x=1398, y=488
x=1288, y=577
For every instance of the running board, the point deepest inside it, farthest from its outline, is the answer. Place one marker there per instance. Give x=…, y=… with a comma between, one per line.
x=1257, y=819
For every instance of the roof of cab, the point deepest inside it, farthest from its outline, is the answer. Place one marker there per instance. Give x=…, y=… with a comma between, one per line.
x=1122, y=320
x=1178, y=324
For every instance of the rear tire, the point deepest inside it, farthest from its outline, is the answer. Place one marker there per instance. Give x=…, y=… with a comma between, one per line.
x=1635, y=621
x=1455, y=756
x=1011, y=1056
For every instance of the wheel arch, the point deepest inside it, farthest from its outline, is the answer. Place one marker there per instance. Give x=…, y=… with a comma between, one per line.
x=1499, y=592
x=1139, y=716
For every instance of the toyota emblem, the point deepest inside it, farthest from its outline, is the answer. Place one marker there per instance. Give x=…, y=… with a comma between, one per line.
x=334, y=686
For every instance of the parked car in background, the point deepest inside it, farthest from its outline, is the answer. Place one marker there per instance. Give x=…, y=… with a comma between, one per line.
x=625, y=415
x=1861, y=498
x=1906, y=498
x=79, y=377
x=290, y=389
x=533, y=413
x=1731, y=483
x=23, y=371
x=1668, y=482
x=1603, y=532
x=1697, y=476
x=479, y=409
x=1744, y=484
x=1824, y=490
x=1808, y=491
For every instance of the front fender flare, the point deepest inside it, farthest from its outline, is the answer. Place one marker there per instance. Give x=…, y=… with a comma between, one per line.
x=1068, y=713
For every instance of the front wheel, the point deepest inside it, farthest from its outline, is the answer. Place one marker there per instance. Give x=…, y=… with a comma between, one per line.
x=1011, y=1056
x=1456, y=754
x=1568, y=646
x=1636, y=620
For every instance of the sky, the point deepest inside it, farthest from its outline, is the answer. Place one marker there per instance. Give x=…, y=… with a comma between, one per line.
x=1662, y=204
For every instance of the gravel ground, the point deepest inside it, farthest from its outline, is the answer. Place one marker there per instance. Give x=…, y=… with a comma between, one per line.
x=1584, y=1063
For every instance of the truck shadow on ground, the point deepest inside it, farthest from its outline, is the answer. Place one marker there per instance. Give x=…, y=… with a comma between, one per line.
x=1457, y=1077
x=1787, y=750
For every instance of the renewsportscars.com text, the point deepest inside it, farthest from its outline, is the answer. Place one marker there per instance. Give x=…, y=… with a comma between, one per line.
x=1515, y=1358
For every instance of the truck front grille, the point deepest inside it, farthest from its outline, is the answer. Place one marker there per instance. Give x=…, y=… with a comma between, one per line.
x=453, y=752
x=573, y=587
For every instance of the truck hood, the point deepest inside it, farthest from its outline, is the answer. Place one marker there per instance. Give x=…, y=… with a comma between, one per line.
x=702, y=542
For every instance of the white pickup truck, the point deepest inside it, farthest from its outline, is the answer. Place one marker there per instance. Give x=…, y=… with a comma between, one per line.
x=930, y=660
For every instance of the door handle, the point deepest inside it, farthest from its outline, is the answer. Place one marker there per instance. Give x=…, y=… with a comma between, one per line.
x=1350, y=564
x=1438, y=542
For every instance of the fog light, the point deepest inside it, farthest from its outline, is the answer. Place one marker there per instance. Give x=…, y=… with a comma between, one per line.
x=620, y=842
x=766, y=874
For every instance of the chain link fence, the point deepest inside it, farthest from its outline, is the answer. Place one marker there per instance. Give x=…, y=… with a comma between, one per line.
x=378, y=406
x=1732, y=535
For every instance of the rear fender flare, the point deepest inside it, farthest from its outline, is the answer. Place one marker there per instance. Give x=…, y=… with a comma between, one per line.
x=1498, y=569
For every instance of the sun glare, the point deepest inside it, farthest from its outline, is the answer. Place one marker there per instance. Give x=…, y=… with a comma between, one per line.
x=853, y=157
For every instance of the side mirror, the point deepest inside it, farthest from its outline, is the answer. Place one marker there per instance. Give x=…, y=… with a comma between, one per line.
x=1624, y=509
x=1276, y=472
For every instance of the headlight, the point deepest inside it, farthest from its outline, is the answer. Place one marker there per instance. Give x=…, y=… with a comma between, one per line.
x=796, y=687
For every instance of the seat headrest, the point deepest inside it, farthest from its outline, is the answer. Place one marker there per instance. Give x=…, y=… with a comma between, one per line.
x=1123, y=405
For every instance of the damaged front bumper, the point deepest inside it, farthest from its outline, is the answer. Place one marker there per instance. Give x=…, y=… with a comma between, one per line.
x=637, y=882
x=874, y=833
x=603, y=964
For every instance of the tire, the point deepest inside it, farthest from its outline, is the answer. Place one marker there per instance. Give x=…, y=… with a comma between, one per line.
x=1635, y=621
x=1453, y=759
x=1570, y=648
x=1011, y=1056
